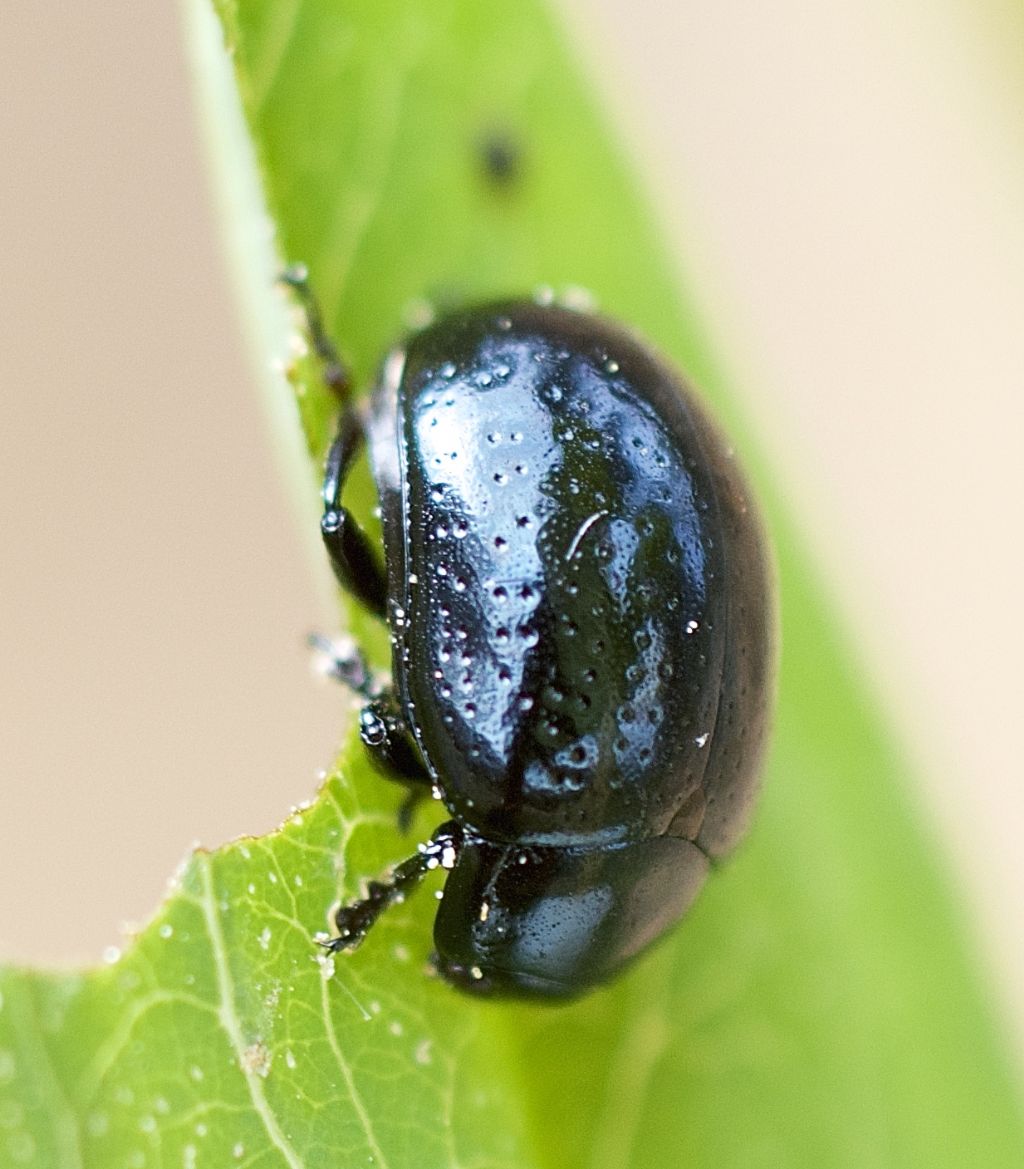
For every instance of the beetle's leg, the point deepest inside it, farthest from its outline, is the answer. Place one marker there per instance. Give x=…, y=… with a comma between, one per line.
x=352, y=555
x=385, y=736
x=354, y=920
x=394, y=752
x=335, y=373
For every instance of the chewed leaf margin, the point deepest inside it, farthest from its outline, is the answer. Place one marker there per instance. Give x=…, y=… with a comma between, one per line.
x=223, y=1034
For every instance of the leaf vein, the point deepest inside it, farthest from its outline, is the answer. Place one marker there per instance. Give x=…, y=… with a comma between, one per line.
x=280, y=34
x=232, y=1025
x=106, y=1054
x=346, y=1072
x=388, y=119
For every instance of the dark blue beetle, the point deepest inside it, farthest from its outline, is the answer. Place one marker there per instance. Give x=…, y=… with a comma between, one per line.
x=579, y=603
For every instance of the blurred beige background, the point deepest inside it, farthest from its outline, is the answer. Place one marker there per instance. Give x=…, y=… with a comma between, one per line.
x=846, y=180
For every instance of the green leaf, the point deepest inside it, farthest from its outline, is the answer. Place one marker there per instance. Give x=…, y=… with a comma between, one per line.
x=819, y=1006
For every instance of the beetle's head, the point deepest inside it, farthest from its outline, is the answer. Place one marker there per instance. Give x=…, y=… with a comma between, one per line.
x=545, y=922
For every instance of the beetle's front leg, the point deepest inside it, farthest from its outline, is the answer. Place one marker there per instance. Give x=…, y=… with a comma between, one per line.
x=353, y=559
x=335, y=372
x=354, y=920
x=355, y=563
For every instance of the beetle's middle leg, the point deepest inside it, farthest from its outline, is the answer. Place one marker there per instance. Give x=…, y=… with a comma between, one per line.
x=355, y=563
x=385, y=736
x=393, y=751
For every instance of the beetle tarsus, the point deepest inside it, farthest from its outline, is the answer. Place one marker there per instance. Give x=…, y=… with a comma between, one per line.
x=335, y=373
x=344, y=662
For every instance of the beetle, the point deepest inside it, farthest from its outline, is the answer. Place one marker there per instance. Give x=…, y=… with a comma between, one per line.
x=579, y=601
